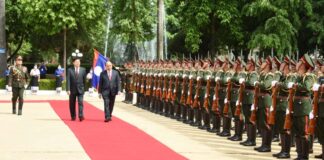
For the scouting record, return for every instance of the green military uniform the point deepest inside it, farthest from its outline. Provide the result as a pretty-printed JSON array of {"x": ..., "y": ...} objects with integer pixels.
[
  {"x": 184, "y": 91},
  {"x": 282, "y": 105},
  {"x": 177, "y": 92},
  {"x": 223, "y": 77},
  {"x": 320, "y": 116},
  {"x": 191, "y": 111},
  {"x": 263, "y": 110},
  {"x": 301, "y": 109},
  {"x": 18, "y": 78},
  {"x": 207, "y": 112},
  {"x": 247, "y": 101}
]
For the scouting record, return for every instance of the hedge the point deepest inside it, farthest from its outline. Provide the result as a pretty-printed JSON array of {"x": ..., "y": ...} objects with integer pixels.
[{"x": 44, "y": 84}]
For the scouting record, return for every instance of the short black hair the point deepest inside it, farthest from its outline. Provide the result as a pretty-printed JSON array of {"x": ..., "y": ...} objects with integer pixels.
[
  {"x": 74, "y": 59},
  {"x": 18, "y": 57}
]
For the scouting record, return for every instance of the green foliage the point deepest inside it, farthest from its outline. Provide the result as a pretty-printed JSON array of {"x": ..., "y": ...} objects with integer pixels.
[
  {"x": 2, "y": 83},
  {"x": 133, "y": 20},
  {"x": 47, "y": 84}
]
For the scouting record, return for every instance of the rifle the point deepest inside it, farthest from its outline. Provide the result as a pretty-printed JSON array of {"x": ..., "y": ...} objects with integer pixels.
[
  {"x": 158, "y": 89},
  {"x": 176, "y": 85},
  {"x": 228, "y": 97},
  {"x": 169, "y": 91},
  {"x": 155, "y": 80},
  {"x": 216, "y": 98},
  {"x": 312, "y": 123},
  {"x": 189, "y": 98},
  {"x": 183, "y": 94},
  {"x": 206, "y": 100},
  {"x": 238, "y": 109},
  {"x": 142, "y": 83},
  {"x": 288, "y": 118},
  {"x": 196, "y": 102},
  {"x": 148, "y": 85},
  {"x": 272, "y": 117},
  {"x": 165, "y": 88},
  {"x": 138, "y": 79},
  {"x": 255, "y": 103}
]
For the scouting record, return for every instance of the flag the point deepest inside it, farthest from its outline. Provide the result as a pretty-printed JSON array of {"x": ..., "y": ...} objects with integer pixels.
[{"x": 98, "y": 65}]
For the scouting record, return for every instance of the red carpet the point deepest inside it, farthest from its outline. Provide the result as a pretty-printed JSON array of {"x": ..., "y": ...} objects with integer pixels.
[{"x": 114, "y": 140}]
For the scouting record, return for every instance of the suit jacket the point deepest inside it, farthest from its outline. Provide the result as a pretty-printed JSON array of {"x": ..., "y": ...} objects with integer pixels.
[
  {"x": 76, "y": 84},
  {"x": 109, "y": 87}
]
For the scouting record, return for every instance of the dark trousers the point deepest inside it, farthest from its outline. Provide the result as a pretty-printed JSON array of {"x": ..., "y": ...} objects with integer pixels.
[
  {"x": 72, "y": 100},
  {"x": 109, "y": 102}
]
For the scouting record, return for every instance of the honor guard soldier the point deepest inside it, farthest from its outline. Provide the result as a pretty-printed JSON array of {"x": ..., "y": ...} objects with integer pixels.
[
  {"x": 248, "y": 92},
  {"x": 301, "y": 92},
  {"x": 279, "y": 108},
  {"x": 264, "y": 104},
  {"x": 18, "y": 80}
]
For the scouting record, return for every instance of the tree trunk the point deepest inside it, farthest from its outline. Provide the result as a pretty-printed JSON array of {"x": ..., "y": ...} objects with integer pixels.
[
  {"x": 160, "y": 30},
  {"x": 3, "y": 55},
  {"x": 64, "y": 52}
]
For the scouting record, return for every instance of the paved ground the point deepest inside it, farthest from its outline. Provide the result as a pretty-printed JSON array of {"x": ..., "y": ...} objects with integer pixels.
[{"x": 29, "y": 136}]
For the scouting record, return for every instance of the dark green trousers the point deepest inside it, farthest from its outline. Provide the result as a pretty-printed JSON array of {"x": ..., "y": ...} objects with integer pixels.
[
  {"x": 17, "y": 93},
  {"x": 320, "y": 129}
]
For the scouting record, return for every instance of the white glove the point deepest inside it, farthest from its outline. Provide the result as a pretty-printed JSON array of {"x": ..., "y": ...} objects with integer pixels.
[
  {"x": 190, "y": 76},
  {"x": 316, "y": 87},
  {"x": 271, "y": 108},
  {"x": 217, "y": 79},
  {"x": 214, "y": 98},
  {"x": 198, "y": 78},
  {"x": 252, "y": 107},
  {"x": 208, "y": 77},
  {"x": 25, "y": 86},
  {"x": 177, "y": 75},
  {"x": 256, "y": 82},
  {"x": 241, "y": 80},
  {"x": 273, "y": 83},
  {"x": 159, "y": 74},
  {"x": 184, "y": 75},
  {"x": 237, "y": 103},
  {"x": 225, "y": 101},
  {"x": 290, "y": 84},
  {"x": 206, "y": 95},
  {"x": 9, "y": 89},
  {"x": 311, "y": 115},
  {"x": 228, "y": 79},
  {"x": 287, "y": 111}
]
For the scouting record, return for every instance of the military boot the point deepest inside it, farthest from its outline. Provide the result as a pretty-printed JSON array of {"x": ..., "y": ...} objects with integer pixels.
[
  {"x": 305, "y": 148},
  {"x": 226, "y": 127},
  {"x": 206, "y": 120},
  {"x": 216, "y": 124},
  {"x": 251, "y": 135},
  {"x": 268, "y": 140},
  {"x": 197, "y": 114},
  {"x": 238, "y": 131},
  {"x": 299, "y": 147},
  {"x": 183, "y": 113},
  {"x": 20, "y": 106},
  {"x": 14, "y": 104},
  {"x": 177, "y": 111},
  {"x": 285, "y": 150},
  {"x": 171, "y": 111},
  {"x": 190, "y": 113},
  {"x": 263, "y": 137},
  {"x": 311, "y": 141}
]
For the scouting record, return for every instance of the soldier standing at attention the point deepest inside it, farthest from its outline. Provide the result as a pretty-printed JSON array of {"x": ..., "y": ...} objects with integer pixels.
[
  {"x": 18, "y": 80},
  {"x": 248, "y": 92},
  {"x": 264, "y": 103},
  {"x": 281, "y": 107},
  {"x": 302, "y": 105},
  {"x": 320, "y": 115}
]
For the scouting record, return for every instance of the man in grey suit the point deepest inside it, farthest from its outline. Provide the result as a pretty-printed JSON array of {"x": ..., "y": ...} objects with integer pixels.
[
  {"x": 75, "y": 83},
  {"x": 109, "y": 86}
]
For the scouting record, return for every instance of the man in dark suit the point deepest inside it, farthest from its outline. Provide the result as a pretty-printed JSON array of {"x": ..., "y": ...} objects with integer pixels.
[
  {"x": 109, "y": 86},
  {"x": 75, "y": 83}
]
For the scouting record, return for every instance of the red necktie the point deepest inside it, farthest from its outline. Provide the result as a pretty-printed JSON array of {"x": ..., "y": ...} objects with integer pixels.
[
  {"x": 109, "y": 75},
  {"x": 77, "y": 72}
]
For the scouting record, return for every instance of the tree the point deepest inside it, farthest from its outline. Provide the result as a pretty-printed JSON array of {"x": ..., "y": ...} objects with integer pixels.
[
  {"x": 133, "y": 22},
  {"x": 3, "y": 63},
  {"x": 55, "y": 16}
]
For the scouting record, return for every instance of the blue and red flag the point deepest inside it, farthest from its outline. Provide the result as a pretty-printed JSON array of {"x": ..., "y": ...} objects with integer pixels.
[{"x": 98, "y": 65}]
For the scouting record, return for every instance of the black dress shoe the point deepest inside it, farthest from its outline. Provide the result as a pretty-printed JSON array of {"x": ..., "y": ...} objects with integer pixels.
[
  {"x": 249, "y": 143},
  {"x": 283, "y": 155},
  {"x": 73, "y": 119},
  {"x": 275, "y": 139},
  {"x": 225, "y": 134},
  {"x": 107, "y": 119},
  {"x": 319, "y": 156},
  {"x": 258, "y": 148},
  {"x": 81, "y": 119},
  {"x": 264, "y": 149},
  {"x": 276, "y": 154}
]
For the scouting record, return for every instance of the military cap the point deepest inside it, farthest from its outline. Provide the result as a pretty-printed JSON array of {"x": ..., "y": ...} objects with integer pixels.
[
  {"x": 308, "y": 61},
  {"x": 286, "y": 59}
]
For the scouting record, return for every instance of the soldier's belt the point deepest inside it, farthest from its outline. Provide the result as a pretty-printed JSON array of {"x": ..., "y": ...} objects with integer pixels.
[
  {"x": 264, "y": 94},
  {"x": 301, "y": 97},
  {"x": 248, "y": 89}
]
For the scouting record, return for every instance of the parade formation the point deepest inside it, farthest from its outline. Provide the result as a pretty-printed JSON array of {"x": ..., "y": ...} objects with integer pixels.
[{"x": 268, "y": 97}]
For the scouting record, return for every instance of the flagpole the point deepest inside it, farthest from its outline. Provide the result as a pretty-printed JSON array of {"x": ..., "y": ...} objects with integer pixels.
[{"x": 107, "y": 36}]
